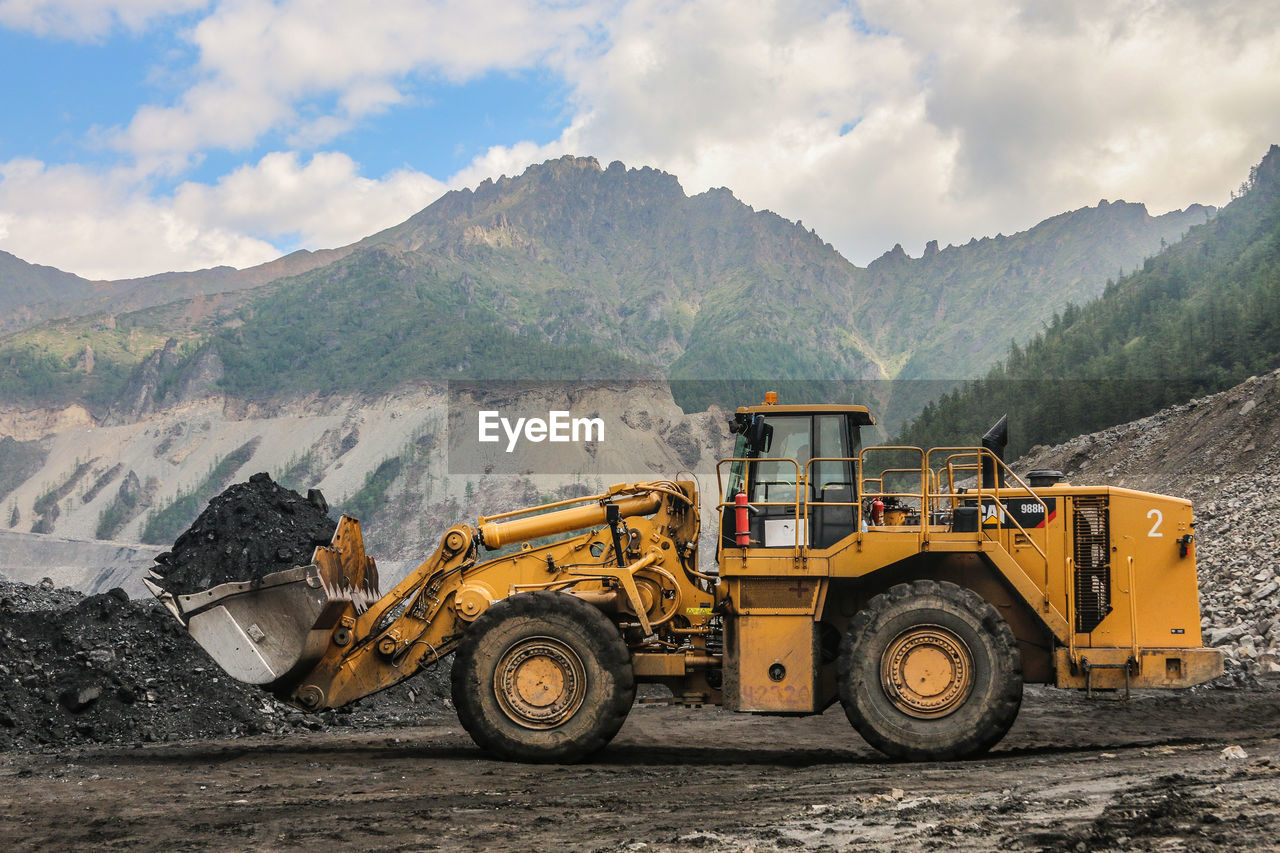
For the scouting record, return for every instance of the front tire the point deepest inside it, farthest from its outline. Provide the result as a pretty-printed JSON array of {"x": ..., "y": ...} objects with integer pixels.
[
  {"x": 543, "y": 677},
  {"x": 929, "y": 671}
]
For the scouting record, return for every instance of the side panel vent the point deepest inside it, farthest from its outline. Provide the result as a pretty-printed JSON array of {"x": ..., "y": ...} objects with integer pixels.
[
  {"x": 1092, "y": 542},
  {"x": 779, "y": 593}
]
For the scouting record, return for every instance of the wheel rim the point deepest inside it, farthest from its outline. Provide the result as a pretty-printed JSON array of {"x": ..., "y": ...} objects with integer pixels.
[
  {"x": 540, "y": 682},
  {"x": 927, "y": 671}
]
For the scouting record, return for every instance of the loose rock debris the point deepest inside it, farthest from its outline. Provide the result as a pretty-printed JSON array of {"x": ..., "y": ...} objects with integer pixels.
[
  {"x": 105, "y": 669},
  {"x": 108, "y": 669},
  {"x": 250, "y": 530}
]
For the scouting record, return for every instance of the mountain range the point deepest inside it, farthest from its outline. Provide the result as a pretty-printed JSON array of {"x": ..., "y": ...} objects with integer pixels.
[
  {"x": 570, "y": 270},
  {"x": 124, "y": 405}
]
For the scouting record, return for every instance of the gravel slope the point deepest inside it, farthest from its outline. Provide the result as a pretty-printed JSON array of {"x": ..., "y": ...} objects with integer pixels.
[{"x": 1223, "y": 453}]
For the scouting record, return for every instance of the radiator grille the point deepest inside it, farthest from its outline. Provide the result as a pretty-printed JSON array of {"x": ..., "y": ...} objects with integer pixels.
[
  {"x": 779, "y": 593},
  {"x": 1092, "y": 525}
]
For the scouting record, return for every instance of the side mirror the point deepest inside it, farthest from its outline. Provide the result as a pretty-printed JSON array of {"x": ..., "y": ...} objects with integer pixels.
[{"x": 761, "y": 436}]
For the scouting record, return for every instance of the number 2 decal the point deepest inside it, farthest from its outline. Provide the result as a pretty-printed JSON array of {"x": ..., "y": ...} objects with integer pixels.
[{"x": 1155, "y": 527}]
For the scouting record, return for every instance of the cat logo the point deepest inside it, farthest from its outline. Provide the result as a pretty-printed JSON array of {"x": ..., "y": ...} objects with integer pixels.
[{"x": 1024, "y": 513}]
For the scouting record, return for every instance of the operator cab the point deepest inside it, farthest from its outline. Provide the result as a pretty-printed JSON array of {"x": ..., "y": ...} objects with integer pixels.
[{"x": 797, "y": 466}]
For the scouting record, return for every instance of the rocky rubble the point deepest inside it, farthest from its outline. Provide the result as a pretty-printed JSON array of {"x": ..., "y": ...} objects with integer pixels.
[
  {"x": 104, "y": 669},
  {"x": 250, "y": 530},
  {"x": 1223, "y": 453},
  {"x": 42, "y": 596}
]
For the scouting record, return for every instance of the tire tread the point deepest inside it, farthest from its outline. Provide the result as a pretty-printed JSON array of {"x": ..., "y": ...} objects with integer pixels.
[
  {"x": 605, "y": 643},
  {"x": 997, "y": 717}
]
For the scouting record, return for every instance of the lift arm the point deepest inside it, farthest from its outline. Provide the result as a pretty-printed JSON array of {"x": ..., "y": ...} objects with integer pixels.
[{"x": 319, "y": 636}]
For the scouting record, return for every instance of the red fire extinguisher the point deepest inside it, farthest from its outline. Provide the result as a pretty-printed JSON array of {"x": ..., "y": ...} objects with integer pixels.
[
  {"x": 740, "y": 520},
  {"x": 877, "y": 512}
]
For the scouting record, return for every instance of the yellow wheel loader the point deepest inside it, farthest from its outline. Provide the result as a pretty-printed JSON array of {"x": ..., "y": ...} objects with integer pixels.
[{"x": 920, "y": 588}]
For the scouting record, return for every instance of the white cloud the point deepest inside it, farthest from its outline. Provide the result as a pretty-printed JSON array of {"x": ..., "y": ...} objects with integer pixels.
[
  {"x": 325, "y": 202},
  {"x": 1056, "y": 105},
  {"x": 104, "y": 226},
  {"x": 259, "y": 61},
  {"x": 878, "y": 122},
  {"x": 88, "y": 19},
  {"x": 755, "y": 98},
  {"x": 967, "y": 119}
]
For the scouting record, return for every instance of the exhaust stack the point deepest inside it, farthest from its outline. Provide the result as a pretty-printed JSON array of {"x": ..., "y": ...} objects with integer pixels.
[{"x": 996, "y": 440}]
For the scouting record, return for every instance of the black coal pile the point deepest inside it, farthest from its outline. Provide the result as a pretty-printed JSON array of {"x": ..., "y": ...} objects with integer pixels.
[
  {"x": 108, "y": 669},
  {"x": 42, "y": 596},
  {"x": 104, "y": 669},
  {"x": 250, "y": 530}
]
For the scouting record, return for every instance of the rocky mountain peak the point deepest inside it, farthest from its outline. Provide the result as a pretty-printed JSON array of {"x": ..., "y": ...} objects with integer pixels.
[
  {"x": 895, "y": 255},
  {"x": 565, "y": 197}
]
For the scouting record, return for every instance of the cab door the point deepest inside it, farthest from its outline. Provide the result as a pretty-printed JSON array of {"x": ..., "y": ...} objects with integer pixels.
[
  {"x": 803, "y": 486},
  {"x": 776, "y": 487},
  {"x": 833, "y": 476}
]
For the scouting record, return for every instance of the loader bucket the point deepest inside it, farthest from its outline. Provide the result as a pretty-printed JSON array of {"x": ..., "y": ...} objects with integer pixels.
[{"x": 271, "y": 631}]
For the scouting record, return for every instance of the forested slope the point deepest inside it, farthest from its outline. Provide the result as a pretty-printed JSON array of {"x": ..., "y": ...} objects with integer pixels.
[{"x": 1199, "y": 317}]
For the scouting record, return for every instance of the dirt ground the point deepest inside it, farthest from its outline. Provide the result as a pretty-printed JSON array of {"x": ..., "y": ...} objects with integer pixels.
[{"x": 1073, "y": 775}]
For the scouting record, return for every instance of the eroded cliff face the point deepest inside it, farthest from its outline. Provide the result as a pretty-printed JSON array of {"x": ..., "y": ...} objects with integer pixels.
[{"x": 388, "y": 459}]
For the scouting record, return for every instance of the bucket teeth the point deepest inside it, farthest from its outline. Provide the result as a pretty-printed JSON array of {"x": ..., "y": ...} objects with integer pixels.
[{"x": 166, "y": 598}]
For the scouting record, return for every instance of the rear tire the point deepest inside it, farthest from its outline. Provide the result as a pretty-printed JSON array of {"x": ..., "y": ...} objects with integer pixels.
[
  {"x": 543, "y": 677},
  {"x": 929, "y": 671}
]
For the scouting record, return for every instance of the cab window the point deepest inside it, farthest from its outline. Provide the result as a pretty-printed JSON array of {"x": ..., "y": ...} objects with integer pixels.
[
  {"x": 774, "y": 479},
  {"x": 833, "y": 492},
  {"x": 833, "y": 441}
]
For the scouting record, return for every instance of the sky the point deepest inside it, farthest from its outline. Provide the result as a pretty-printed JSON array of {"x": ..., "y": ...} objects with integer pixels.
[{"x": 142, "y": 136}]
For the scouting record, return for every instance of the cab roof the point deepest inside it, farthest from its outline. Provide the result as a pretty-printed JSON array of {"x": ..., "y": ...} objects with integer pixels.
[{"x": 861, "y": 414}]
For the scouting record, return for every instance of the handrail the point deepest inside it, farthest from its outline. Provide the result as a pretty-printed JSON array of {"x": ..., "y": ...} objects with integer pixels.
[
  {"x": 1068, "y": 591},
  {"x": 804, "y": 501},
  {"x": 856, "y": 504},
  {"x": 952, "y": 468},
  {"x": 887, "y": 471},
  {"x": 923, "y": 532},
  {"x": 925, "y": 508},
  {"x": 802, "y": 487},
  {"x": 979, "y": 453},
  {"x": 808, "y": 478},
  {"x": 930, "y": 494}
]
